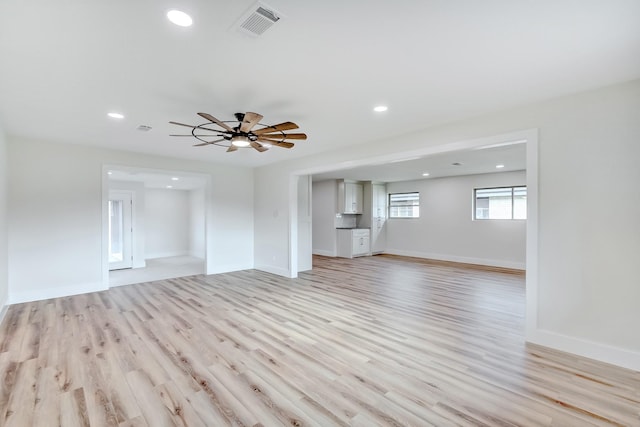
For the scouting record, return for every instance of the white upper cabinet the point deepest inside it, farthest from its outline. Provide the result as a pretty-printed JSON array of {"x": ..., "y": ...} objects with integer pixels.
[{"x": 350, "y": 197}]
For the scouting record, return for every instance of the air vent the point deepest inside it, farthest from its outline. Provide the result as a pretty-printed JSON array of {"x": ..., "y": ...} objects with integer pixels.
[{"x": 258, "y": 19}]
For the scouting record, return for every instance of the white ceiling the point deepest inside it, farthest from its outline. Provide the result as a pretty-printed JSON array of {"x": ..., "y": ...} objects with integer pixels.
[{"x": 325, "y": 65}]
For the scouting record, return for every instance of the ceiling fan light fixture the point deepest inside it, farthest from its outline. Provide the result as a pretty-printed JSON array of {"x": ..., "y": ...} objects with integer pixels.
[{"x": 240, "y": 141}]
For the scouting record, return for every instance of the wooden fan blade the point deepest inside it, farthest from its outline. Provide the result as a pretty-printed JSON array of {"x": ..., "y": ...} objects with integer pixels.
[
  {"x": 232, "y": 148},
  {"x": 282, "y": 136},
  {"x": 216, "y": 121},
  {"x": 283, "y": 144},
  {"x": 194, "y": 127},
  {"x": 182, "y": 124},
  {"x": 208, "y": 143},
  {"x": 276, "y": 128},
  {"x": 250, "y": 120},
  {"x": 258, "y": 147},
  {"x": 276, "y": 143}
]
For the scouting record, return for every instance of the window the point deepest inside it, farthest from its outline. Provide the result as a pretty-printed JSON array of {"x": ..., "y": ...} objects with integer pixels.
[
  {"x": 500, "y": 203},
  {"x": 404, "y": 205}
]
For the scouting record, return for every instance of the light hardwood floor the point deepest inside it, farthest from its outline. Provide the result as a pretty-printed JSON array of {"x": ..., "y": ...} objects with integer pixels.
[{"x": 371, "y": 341}]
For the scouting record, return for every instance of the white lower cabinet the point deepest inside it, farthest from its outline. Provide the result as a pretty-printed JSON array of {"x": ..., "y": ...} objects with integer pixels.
[{"x": 354, "y": 242}]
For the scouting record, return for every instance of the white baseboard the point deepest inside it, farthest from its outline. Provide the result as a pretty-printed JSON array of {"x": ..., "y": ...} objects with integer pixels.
[
  {"x": 55, "y": 292},
  {"x": 323, "y": 252},
  {"x": 274, "y": 270},
  {"x": 139, "y": 264},
  {"x": 228, "y": 268},
  {"x": 165, "y": 254},
  {"x": 455, "y": 258},
  {"x": 593, "y": 350}
]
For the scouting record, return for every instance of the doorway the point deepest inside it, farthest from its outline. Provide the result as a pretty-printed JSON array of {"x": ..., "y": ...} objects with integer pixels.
[
  {"x": 482, "y": 150},
  {"x": 120, "y": 230},
  {"x": 155, "y": 224}
]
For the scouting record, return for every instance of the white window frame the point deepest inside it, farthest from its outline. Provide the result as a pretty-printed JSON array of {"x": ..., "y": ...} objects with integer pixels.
[
  {"x": 510, "y": 187},
  {"x": 414, "y": 207}
]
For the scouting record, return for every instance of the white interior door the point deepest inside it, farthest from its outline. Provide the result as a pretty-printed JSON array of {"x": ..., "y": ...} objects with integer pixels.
[{"x": 120, "y": 230}]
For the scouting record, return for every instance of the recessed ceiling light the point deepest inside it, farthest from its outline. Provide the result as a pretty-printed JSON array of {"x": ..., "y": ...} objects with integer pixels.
[
  {"x": 499, "y": 166},
  {"x": 169, "y": 186},
  {"x": 175, "y": 178},
  {"x": 380, "y": 108},
  {"x": 110, "y": 173},
  {"x": 425, "y": 174},
  {"x": 179, "y": 18},
  {"x": 114, "y": 115}
]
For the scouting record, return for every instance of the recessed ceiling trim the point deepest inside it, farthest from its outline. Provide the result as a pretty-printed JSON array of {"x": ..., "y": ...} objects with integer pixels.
[
  {"x": 404, "y": 160},
  {"x": 502, "y": 144}
]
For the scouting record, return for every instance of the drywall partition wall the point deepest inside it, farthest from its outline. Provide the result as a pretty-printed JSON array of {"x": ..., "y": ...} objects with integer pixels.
[
  {"x": 138, "y": 217},
  {"x": 4, "y": 277},
  {"x": 272, "y": 215},
  {"x": 167, "y": 220},
  {"x": 324, "y": 210},
  {"x": 305, "y": 232},
  {"x": 446, "y": 230},
  {"x": 582, "y": 287},
  {"x": 196, "y": 223},
  {"x": 57, "y": 198}
]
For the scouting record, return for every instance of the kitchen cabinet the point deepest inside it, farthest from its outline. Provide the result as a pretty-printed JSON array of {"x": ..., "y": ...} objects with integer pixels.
[
  {"x": 350, "y": 197},
  {"x": 353, "y": 242},
  {"x": 378, "y": 218}
]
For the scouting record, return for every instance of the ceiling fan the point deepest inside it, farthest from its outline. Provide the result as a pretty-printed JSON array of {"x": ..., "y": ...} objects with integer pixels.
[{"x": 244, "y": 134}]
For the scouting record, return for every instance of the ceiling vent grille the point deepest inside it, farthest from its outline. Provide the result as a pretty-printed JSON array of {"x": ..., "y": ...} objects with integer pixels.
[{"x": 257, "y": 20}]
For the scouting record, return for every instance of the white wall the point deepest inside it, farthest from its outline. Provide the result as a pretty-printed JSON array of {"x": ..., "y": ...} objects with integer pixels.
[
  {"x": 138, "y": 217},
  {"x": 585, "y": 298},
  {"x": 167, "y": 217},
  {"x": 324, "y": 208},
  {"x": 445, "y": 229},
  {"x": 56, "y": 215},
  {"x": 4, "y": 277},
  {"x": 196, "y": 223}
]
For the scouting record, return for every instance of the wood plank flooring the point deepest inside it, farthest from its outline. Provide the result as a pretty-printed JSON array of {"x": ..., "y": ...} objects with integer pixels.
[{"x": 371, "y": 341}]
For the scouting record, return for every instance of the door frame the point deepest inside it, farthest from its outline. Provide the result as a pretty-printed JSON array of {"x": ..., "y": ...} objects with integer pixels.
[
  {"x": 128, "y": 242},
  {"x": 531, "y": 138},
  {"x": 208, "y": 213}
]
